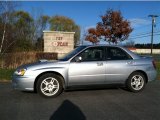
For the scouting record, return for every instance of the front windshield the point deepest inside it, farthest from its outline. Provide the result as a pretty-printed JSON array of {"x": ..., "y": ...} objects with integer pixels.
[{"x": 72, "y": 53}]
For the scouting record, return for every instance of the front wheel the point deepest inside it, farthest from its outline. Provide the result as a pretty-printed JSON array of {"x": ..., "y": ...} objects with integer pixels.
[
  {"x": 49, "y": 85},
  {"x": 136, "y": 82}
]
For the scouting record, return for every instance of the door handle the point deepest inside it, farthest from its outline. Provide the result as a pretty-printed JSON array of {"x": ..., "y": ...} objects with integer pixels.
[
  {"x": 99, "y": 64},
  {"x": 130, "y": 62}
]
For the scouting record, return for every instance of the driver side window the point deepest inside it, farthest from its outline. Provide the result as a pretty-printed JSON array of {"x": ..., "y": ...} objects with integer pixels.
[{"x": 92, "y": 54}]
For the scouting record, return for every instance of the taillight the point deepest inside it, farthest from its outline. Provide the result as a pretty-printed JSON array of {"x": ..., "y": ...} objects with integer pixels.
[{"x": 154, "y": 64}]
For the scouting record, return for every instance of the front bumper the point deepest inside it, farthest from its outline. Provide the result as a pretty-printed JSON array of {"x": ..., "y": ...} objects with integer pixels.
[{"x": 23, "y": 83}]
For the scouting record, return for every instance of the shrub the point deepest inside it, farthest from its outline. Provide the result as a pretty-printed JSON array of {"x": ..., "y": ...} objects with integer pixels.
[{"x": 13, "y": 60}]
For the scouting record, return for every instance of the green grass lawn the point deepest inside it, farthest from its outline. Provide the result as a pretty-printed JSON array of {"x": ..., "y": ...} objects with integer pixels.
[{"x": 6, "y": 74}]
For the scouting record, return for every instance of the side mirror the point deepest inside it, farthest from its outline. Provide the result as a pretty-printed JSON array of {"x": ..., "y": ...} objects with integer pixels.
[{"x": 78, "y": 59}]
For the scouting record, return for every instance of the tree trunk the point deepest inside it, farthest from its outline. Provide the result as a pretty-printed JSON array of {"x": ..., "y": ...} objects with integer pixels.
[{"x": 3, "y": 38}]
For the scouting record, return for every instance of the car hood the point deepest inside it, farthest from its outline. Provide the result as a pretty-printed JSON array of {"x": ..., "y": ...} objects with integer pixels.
[{"x": 42, "y": 64}]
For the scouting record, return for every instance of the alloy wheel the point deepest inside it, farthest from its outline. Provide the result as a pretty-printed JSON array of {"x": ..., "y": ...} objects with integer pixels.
[{"x": 49, "y": 86}]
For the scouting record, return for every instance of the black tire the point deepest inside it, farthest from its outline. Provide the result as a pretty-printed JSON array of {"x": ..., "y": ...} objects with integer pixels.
[
  {"x": 49, "y": 85},
  {"x": 136, "y": 82}
]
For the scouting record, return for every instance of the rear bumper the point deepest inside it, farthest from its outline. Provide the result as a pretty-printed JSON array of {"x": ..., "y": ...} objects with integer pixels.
[
  {"x": 152, "y": 75},
  {"x": 23, "y": 83}
]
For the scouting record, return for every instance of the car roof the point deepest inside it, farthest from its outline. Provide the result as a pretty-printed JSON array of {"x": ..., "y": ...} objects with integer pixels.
[{"x": 99, "y": 45}]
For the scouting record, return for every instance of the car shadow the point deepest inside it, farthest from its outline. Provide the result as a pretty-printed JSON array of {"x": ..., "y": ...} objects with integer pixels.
[
  {"x": 95, "y": 88},
  {"x": 68, "y": 111},
  {"x": 29, "y": 92}
]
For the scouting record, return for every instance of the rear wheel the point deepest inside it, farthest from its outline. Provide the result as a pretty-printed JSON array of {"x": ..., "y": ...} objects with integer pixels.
[
  {"x": 49, "y": 85},
  {"x": 136, "y": 82}
]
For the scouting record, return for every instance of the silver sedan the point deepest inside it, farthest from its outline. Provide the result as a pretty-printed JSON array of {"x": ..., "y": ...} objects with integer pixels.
[{"x": 86, "y": 66}]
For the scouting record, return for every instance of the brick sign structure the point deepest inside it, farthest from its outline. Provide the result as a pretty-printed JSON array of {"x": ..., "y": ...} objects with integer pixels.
[{"x": 59, "y": 42}]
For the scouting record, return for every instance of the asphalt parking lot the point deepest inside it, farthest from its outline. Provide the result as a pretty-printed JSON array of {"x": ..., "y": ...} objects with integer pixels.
[{"x": 103, "y": 104}]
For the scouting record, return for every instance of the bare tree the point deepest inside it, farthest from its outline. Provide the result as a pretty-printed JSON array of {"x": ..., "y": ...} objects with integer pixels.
[
  {"x": 6, "y": 10},
  {"x": 130, "y": 43},
  {"x": 3, "y": 6}
]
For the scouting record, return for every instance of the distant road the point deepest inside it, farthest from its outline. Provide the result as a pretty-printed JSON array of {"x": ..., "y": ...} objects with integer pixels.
[{"x": 104, "y": 104}]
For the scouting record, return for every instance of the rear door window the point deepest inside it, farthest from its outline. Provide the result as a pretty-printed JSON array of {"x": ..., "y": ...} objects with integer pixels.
[{"x": 115, "y": 53}]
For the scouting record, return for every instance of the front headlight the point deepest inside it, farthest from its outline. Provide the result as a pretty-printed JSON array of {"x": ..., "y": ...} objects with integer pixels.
[{"x": 20, "y": 72}]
